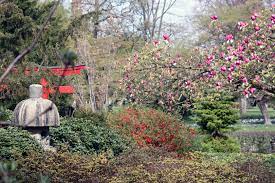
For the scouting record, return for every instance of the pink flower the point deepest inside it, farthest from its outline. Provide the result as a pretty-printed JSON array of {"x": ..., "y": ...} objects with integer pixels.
[
  {"x": 254, "y": 16},
  {"x": 213, "y": 73},
  {"x": 232, "y": 68},
  {"x": 242, "y": 25},
  {"x": 272, "y": 18},
  {"x": 238, "y": 62},
  {"x": 222, "y": 54},
  {"x": 246, "y": 60},
  {"x": 218, "y": 85},
  {"x": 252, "y": 90},
  {"x": 240, "y": 48},
  {"x": 257, "y": 28},
  {"x": 155, "y": 42},
  {"x": 187, "y": 83},
  {"x": 166, "y": 37},
  {"x": 244, "y": 80},
  {"x": 223, "y": 68},
  {"x": 246, "y": 41},
  {"x": 214, "y": 17},
  {"x": 229, "y": 37},
  {"x": 245, "y": 93},
  {"x": 259, "y": 43},
  {"x": 229, "y": 77}
]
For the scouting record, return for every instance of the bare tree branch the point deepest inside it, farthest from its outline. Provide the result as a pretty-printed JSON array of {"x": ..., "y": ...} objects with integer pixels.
[{"x": 33, "y": 44}]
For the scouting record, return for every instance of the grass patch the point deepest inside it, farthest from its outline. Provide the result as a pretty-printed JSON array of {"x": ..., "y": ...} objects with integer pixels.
[
  {"x": 254, "y": 128},
  {"x": 255, "y": 113}
]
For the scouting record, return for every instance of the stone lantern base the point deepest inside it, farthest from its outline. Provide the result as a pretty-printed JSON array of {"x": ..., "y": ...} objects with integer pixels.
[{"x": 41, "y": 134}]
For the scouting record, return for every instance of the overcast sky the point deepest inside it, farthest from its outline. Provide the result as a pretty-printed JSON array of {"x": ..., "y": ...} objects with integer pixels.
[{"x": 181, "y": 9}]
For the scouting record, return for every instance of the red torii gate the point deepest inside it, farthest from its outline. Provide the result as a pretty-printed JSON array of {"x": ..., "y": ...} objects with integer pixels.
[{"x": 57, "y": 71}]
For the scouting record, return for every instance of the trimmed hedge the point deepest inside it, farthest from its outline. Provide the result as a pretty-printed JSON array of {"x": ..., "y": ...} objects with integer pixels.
[{"x": 85, "y": 136}]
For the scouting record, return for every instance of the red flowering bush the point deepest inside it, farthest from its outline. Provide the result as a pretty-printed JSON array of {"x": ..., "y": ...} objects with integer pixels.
[{"x": 152, "y": 128}]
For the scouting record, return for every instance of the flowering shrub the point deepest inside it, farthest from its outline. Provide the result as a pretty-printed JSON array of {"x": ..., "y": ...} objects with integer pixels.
[{"x": 149, "y": 127}]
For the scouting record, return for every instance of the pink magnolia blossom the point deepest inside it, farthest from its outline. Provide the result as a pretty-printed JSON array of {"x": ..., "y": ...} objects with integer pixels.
[
  {"x": 242, "y": 25},
  {"x": 246, "y": 60},
  {"x": 214, "y": 17},
  {"x": 223, "y": 68},
  {"x": 232, "y": 68},
  {"x": 259, "y": 43},
  {"x": 229, "y": 37},
  {"x": 218, "y": 85},
  {"x": 155, "y": 42},
  {"x": 166, "y": 37},
  {"x": 229, "y": 77},
  {"x": 252, "y": 90},
  {"x": 222, "y": 54},
  {"x": 254, "y": 16},
  {"x": 272, "y": 18},
  {"x": 245, "y": 93},
  {"x": 257, "y": 28},
  {"x": 244, "y": 80},
  {"x": 240, "y": 48},
  {"x": 238, "y": 62}
]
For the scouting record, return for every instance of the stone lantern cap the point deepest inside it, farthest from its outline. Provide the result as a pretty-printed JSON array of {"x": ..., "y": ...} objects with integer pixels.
[{"x": 36, "y": 111}]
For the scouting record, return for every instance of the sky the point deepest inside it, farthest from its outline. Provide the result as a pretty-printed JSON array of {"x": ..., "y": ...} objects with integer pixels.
[{"x": 176, "y": 14}]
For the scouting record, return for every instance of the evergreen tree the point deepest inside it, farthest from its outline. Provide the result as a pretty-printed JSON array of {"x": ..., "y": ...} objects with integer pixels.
[{"x": 215, "y": 113}]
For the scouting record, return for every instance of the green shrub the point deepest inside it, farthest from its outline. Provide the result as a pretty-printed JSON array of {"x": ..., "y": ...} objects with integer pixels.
[
  {"x": 152, "y": 128},
  {"x": 85, "y": 136},
  {"x": 225, "y": 145},
  {"x": 5, "y": 114},
  {"x": 16, "y": 141},
  {"x": 215, "y": 113},
  {"x": 98, "y": 119}
]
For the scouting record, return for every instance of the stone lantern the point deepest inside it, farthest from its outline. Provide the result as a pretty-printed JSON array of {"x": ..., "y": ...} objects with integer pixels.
[{"x": 36, "y": 115}]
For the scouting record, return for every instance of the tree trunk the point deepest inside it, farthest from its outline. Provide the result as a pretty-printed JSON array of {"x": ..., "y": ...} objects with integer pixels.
[
  {"x": 243, "y": 105},
  {"x": 263, "y": 107}
]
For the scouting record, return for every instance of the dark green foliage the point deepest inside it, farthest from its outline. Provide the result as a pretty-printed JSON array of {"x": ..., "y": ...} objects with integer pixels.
[
  {"x": 85, "y": 136},
  {"x": 5, "y": 114},
  {"x": 15, "y": 141},
  {"x": 19, "y": 23},
  {"x": 215, "y": 113}
]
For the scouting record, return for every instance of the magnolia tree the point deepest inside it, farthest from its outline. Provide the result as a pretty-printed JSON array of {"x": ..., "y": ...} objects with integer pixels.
[
  {"x": 243, "y": 63},
  {"x": 159, "y": 78}
]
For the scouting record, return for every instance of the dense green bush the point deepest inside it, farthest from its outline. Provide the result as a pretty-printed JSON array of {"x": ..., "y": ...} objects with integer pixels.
[
  {"x": 214, "y": 113},
  {"x": 14, "y": 141},
  {"x": 225, "y": 145},
  {"x": 85, "y": 136},
  {"x": 5, "y": 114}
]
